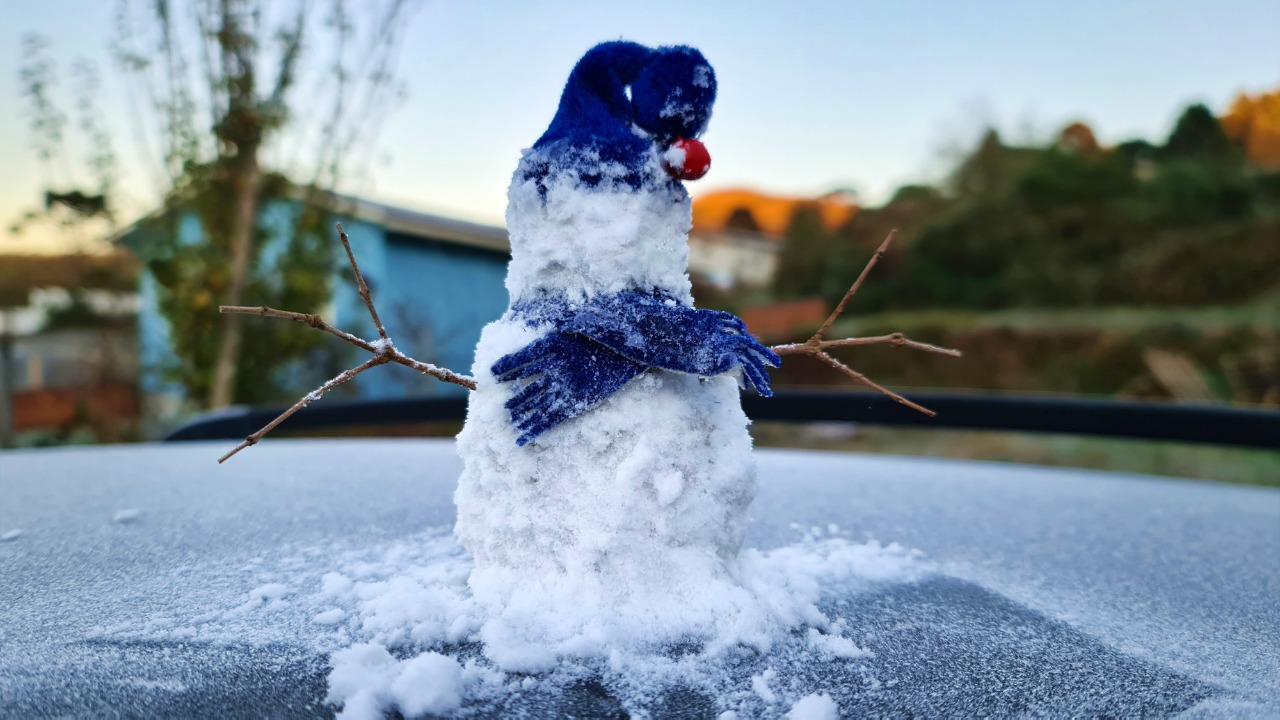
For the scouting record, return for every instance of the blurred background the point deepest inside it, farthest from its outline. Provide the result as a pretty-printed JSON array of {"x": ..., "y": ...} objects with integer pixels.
[{"x": 1087, "y": 197}]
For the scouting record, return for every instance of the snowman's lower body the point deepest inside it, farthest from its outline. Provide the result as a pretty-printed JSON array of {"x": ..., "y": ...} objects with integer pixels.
[{"x": 624, "y": 517}]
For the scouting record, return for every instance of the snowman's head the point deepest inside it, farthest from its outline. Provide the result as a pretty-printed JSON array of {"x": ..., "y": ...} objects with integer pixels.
[{"x": 597, "y": 204}]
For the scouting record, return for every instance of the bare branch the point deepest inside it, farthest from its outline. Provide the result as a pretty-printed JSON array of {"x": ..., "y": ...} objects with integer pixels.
[
  {"x": 292, "y": 41},
  {"x": 364, "y": 288},
  {"x": 344, "y": 376},
  {"x": 817, "y": 346},
  {"x": 309, "y": 319},
  {"x": 853, "y": 289},
  {"x": 895, "y": 339},
  {"x": 380, "y": 348},
  {"x": 384, "y": 351},
  {"x": 860, "y": 378}
]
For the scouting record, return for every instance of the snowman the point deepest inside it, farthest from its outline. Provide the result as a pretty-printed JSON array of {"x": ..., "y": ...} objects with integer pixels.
[{"x": 606, "y": 455}]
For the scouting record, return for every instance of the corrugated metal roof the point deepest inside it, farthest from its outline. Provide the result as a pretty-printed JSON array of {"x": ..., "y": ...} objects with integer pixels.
[
  {"x": 426, "y": 225},
  {"x": 413, "y": 223}
]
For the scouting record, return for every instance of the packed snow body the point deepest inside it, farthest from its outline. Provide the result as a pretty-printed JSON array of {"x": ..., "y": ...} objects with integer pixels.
[{"x": 631, "y": 511}]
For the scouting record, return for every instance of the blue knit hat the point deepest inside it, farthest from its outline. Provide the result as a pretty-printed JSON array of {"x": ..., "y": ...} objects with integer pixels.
[{"x": 599, "y": 126}]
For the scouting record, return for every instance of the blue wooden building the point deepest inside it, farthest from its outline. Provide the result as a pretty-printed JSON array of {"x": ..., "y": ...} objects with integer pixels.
[{"x": 435, "y": 280}]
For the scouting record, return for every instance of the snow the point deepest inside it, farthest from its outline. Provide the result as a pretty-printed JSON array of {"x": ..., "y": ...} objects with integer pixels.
[
  {"x": 332, "y": 616},
  {"x": 576, "y": 245},
  {"x": 126, "y": 516},
  {"x": 814, "y": 707},
  {"x": 415, "y": 597},
  {"x": 13, "y": 534},
  {"x": 760, "y": 686},
  {"x": 1006, "y": 605},
  {"x": 366, "y": 679},
  {"x": 674, "y": 156},
  {"x": 835, "y": 646},
  {"x": 270, "y": 591},
  {"x": 428, "y": 683},
  {"x": 702, "y": 76}
]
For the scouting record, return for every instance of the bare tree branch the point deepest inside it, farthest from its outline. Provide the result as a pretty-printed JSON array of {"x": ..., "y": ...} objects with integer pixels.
[
  {"x": 291, "y": 40},
  {"x": 384, "y": 350},
  {"x": 360, "y": 283},
  {"x": 344, "y": 376},
  {"x": 817, "y": 345}
]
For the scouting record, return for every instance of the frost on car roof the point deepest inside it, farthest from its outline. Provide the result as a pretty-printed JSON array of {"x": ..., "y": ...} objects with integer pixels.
[{"x": 1012, "y": 590}]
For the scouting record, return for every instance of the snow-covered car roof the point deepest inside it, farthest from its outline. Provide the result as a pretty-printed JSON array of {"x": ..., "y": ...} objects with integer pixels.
[{"x": 148, "y": 580}]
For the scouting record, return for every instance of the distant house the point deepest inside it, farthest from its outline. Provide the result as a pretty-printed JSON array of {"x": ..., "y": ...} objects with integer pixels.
[
  {"x": 731, "y": 257},
  {"x": 74, "y": 379},
  {"x": 436, "y": 282},
  {"x": 68, "y": 348},
  {"x": 737, "y": 234}
]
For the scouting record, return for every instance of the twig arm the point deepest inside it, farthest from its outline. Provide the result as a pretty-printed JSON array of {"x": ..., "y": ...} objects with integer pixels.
[
  {"x": 384, "y": 351},
  {"x": 863, "y": 379},
  {"x": 344, "y": 376},
  {"x": 853, "y": 289},
  {"x": 384, "y": 347},
  {"x": 308, "y": 319},
  {"x": 895, "y": 339},
  {"x": 817, "y": 345},
  {"x": 360, "y": 283}
]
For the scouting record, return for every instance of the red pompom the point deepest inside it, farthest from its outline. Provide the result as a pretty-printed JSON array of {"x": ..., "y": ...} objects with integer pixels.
[{"x": 687, "y": 159}]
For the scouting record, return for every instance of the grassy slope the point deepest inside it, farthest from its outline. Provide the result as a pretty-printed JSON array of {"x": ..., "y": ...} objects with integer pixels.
[{"x": 1036, "y": 350}]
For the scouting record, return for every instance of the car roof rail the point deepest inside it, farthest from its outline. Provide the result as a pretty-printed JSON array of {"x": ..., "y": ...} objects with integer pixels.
[{"x": 1205, "y": 424}]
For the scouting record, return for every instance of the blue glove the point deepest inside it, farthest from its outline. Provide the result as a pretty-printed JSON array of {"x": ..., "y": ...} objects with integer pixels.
[
  {"x": 663, "y": 334},
  {"x": 573, "y": 375},
  {"x": 600, "y": 347}
]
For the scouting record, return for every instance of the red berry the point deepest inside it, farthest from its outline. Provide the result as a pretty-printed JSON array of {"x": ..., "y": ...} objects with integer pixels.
[{"x": 687, "y": 159}]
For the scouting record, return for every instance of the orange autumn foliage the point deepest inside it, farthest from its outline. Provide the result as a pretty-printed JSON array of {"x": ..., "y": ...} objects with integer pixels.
[
  {"x": 772, "y": 213},
  {"x": 1078, "y": 137},
  {"x": 1254, "y": 122}
]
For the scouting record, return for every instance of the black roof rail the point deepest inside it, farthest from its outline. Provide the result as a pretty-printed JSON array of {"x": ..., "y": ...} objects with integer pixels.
[{"x": 1207, "y": 424}]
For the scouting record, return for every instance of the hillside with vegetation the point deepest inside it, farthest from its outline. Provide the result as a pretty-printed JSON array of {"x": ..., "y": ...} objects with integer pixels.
[{"x": 1143, "y": 270}]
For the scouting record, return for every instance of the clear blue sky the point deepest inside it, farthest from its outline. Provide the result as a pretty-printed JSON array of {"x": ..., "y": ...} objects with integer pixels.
[{"x": 812, "y": 94}]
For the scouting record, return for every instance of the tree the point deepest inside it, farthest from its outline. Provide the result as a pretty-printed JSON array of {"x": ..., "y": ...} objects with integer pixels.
[
  {"x": 805, "y": 248},
  {"x": 1254, "y": 122},
  {"x": 742, "y": 219},
  {"x": 79, "y": 213},
  {"x": 1079, "y": 138},
  {"x": 1197, "y": 134},
  {"x": 219, "y": 87}
]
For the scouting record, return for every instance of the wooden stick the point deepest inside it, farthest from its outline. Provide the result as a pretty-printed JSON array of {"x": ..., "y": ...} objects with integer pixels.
[
  {"x": 860, "y": 378},
  {"x": 360, "y": 283},
  {"x": 895, "y": 339},
  {"x": 384, "y": 351},
  {"x": 308, "y": 319},
  {"x": 384, "y": 347},
  {"x": 857, "y": 284},
  {"x": 344, "y": 376},
  {"x": 817, "y": 345}
]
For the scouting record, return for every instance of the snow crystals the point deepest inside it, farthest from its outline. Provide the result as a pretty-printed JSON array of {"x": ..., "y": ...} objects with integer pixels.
[{"x": 419, "y": 638}]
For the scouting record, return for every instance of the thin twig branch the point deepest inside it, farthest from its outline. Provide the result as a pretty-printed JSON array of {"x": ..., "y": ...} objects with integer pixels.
[
  {"x": 817, "y": 345},
  {"x": 895, "y": 339},
  {"x": 344, "y": 376},
  {"x": 857, "y": 284},
  {"x": 308, "y": 319},
  {"x": 360, "y": 283},
  {"x": 380, "y": 348},
  {"x": 384, "y": 351}
]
